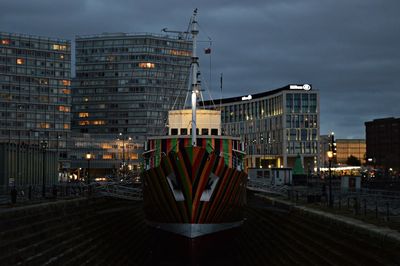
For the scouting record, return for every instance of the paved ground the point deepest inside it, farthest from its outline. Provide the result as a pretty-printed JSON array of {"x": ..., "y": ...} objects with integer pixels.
[{"x": 273, "y": 234}]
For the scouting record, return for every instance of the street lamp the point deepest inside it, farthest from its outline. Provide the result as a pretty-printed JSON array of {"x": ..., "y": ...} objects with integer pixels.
[
  {"x": 123, "y": 138},
  {"x": 88, "y": 158},
  {"x": 43, "y": 145},
  {"x": 330, "y": 156}
]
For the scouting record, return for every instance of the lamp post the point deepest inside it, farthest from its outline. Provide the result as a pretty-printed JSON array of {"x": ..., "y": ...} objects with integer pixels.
[
  {"x": 43, "y": 145},
  {"x": 123, "y": 138},
  {"x": 330, "y": 156},
  {"x": 88, "y": 158}
]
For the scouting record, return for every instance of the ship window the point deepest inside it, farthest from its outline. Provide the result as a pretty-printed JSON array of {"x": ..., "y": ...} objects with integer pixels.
[
  {"x": 174, "y": 131},
  {"x": 184, "y": 131},
  {"x": 204, "y": 131},
  {"x": 214, "y": 131}
]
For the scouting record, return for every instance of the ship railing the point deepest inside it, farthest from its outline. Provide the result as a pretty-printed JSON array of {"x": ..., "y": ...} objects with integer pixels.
[
  {"x": 116, "y": 190},
  {"x": 265, "y": 187}
]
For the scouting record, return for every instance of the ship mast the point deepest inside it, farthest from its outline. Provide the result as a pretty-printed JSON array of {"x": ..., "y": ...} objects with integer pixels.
[{"x": 195, "y": 85}]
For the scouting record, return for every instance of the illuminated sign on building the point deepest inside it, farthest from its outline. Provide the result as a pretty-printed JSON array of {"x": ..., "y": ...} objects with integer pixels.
[
  {"x": 305, "y": 87},
  {"x": 245, "y": 98}
]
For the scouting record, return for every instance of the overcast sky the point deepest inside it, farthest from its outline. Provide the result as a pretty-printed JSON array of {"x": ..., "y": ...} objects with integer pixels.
[{"x": 347, "y": 49}]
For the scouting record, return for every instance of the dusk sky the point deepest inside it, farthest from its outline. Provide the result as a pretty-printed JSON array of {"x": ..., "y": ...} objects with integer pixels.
[{"x": 348, "y": 50}]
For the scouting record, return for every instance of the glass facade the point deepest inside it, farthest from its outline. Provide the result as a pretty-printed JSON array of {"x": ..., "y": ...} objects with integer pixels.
[
  {"x": 35, "y": 93},
  {"x": 350, "y": 147},
  {"x": 302, "y": 127},
  {"x": 127, "y": 83},
  {"x": 275, "y": 126},
  {"x": 107, "y": 154}
]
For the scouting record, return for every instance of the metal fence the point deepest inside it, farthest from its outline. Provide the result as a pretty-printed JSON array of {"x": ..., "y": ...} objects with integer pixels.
[
  {"x": 374, "y": 203},
  {"x": 26, "y": 194},
  {"x": 32, "y": 194}
]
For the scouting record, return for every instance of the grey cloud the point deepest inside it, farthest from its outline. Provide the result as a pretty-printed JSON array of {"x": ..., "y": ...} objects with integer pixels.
[{"x": 346, "y": 49}]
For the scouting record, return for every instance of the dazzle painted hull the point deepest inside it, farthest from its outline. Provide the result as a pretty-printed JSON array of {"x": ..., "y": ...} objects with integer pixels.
[{"x": 194, "y": 191}]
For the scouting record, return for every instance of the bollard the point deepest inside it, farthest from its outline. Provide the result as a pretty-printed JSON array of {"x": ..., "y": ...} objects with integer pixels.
[
  {"x": 348, "y": 203},
  {"x": 355, "y": 206},
  {"x": 365, "y": 207},
  {"x": 30, "y": 193},
  {"x": 55, "y": 192},
  {"x": 13, "y": 194},
  {"x": 376, "y": 209},
  {"x": 340, "y": 202},
  {"x": 89, "y": 191},
  {"x": 387, "y": 211},
  {"x": 297, "y": 196}
]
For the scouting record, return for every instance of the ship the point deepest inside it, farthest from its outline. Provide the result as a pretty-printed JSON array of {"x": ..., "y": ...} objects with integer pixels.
[{"x": 194, "y": 183}]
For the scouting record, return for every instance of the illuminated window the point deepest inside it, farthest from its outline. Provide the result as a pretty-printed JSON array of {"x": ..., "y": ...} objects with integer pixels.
[
  {"x": 44, "y": 125},
  {"x": 133, "y": 156},
  {"x": 106, "y": 146},
  {"x": 59, "y": 47},
  {"x": 86, "y": 99},
  {"x": 20, "y": 61},
  {"x": 107, "y": 156},
  {"x": 181, "y": 53},
  {"x": 98, "y": 122},
  {"x": 83, "y": 114},
  {"x": 63, "y": 108},
  {"x": 5, "y": 42},
  {"x": 66, "y": 126},
  {"x": 66, "y": 91},
  {"x": 83, "y": 123},
  {"x": 66, "y": 82},
  {"x": 43, "y": 81},
  {"x": 61, "y": 56},
  {"x": 146, "y": 65}
]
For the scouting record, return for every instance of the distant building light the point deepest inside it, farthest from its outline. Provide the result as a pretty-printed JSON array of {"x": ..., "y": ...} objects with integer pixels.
[
  {"x": 63, "y": 108},
  {"x": 83, "y": 123},
  {"x": 83, "y": 115},
  {"x": 180, "y": 53},
  {"x": 246, "y": 98},
  {"x": 305, "y": 87},
  {"x": 66, "y": 82},
  {"x": 147, "y": 65},
  {"x": 66, "y": 91},
  {"x": 20, "y": 61},
  {"x": 59, "y": 47}
]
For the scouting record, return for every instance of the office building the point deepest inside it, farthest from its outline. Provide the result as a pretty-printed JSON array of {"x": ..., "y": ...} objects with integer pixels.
[
  {"x": 383, "y": 143},
  {"x": 126, "y": 83},
  {"x": 324, "y": 145},
  {"x": 35, "y": 94},
  {"x": 104, "y": 155},
  {"x": 276, "y": 126},
  {"x": 350, "y": 147}
]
